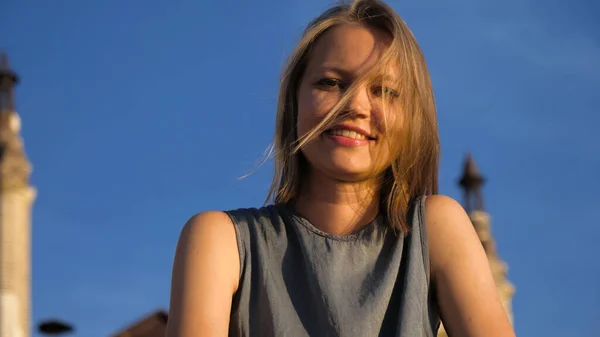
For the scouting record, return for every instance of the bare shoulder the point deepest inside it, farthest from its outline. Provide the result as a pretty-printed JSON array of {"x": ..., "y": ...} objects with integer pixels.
[
  {"x": 448, "y": 225},
  {"x": 213, "y": 226},
  {"x": 205, "y": 276},
  {"x": 466, "y": 291},
  {"x": 210, "y": 234},
  {"x": 450, "y": 233}
]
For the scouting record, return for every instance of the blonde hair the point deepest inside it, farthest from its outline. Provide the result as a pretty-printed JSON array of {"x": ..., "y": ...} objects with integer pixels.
[{"x": 413, "y": 171}]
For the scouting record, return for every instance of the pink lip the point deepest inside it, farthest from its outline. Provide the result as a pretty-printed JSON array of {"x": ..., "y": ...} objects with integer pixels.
[
  {"x": 345, "y": 141},
  {"x": 352, "y": 128}
]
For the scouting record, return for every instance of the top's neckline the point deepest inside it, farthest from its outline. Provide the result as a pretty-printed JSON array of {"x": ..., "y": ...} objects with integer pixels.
[{"x": 366, "y": 230}]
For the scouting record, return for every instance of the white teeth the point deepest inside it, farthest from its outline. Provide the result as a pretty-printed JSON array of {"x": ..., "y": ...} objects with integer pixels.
[{"x": 347, "y": 134}]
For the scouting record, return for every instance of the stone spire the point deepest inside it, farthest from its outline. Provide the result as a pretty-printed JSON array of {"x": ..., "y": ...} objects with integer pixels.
[
  {"x": 8, "y": 80},
  {"x": 14, "y": 165},
  {"x": 472, "y": 184},
  {"x": 16, "y": 199}
]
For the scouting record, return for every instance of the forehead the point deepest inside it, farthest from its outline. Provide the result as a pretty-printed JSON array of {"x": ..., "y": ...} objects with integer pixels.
[{"x": 349, "y": 49}]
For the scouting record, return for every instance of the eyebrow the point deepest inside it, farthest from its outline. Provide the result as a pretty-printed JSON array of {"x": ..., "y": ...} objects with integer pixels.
[
  {"x": 335, "y": 69},
  {"x": 345, "y": 73}
]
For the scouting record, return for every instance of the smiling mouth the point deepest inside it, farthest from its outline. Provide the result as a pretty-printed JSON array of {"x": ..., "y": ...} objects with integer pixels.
[{"x": 348, "y": 134}]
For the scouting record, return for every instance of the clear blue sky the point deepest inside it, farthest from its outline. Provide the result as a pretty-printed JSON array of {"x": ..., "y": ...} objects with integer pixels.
[{"x": 138, "y": 114}]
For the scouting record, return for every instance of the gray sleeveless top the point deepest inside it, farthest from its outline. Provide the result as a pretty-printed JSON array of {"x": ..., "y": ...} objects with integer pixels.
[{"x": 299, "y": 281}]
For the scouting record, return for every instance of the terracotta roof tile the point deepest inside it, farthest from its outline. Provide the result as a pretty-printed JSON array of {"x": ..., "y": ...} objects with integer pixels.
[{"x": 153, "y": 325}]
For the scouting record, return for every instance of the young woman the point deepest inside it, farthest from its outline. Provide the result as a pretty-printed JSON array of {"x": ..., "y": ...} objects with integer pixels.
[{"x": 356, "y": 242}]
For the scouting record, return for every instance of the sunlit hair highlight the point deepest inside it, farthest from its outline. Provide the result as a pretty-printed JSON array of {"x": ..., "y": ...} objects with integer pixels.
[{"x": 413, "y": 168}]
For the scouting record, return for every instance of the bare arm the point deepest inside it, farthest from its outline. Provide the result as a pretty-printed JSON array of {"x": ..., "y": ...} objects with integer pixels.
[
  {"x": 205, "y": 277},
  {"x": 466, "y": 291}
]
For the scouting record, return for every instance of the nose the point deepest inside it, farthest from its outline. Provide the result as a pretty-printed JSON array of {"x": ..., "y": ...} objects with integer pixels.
[{"x": 359, "y": 102}]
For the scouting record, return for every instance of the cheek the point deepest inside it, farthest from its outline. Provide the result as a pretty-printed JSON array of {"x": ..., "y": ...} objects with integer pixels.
[
  {"x": 389, "y": 122},
  {"x": 396, "y": 122},
  {"x": 392, "y": 139},
  {"x": 313, "y": 106}
]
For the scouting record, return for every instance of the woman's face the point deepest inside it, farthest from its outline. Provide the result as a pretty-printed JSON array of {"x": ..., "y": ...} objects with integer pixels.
[{"x": 353, "y": 149}]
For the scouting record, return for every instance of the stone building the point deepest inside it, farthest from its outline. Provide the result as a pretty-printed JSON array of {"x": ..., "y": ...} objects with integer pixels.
[{"x": 16, "y": 199}]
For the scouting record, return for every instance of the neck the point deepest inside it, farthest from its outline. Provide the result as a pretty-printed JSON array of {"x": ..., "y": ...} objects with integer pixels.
[{"x": 336, "y": 207}]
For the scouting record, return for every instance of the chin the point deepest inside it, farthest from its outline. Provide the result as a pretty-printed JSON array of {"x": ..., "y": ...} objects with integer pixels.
[
  {"x": 340, "y": 165},
  {"x": 349, "y": 173}
]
